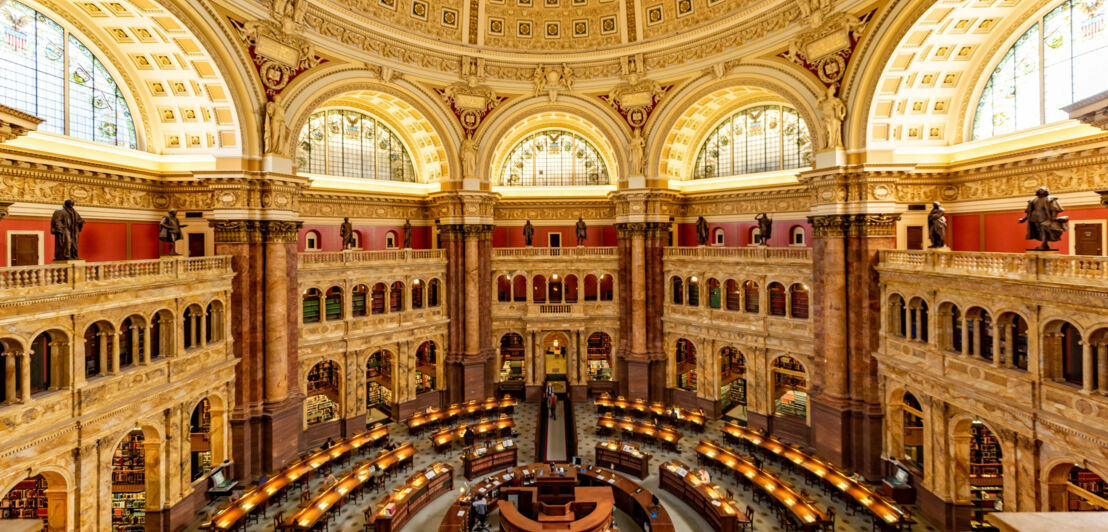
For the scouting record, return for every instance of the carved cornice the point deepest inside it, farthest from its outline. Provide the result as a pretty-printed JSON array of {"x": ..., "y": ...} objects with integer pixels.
[
  {"x": 237, "y": 231},
  {"x": 646, "y": 229},
  {"x": 854, "y": 225},
  {"x": 15, "y": 123},
  {"x": 4, "y": 208},
  {"x": 280, "y": 232}
]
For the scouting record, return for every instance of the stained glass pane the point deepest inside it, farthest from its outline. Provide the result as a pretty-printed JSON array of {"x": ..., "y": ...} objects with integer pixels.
[
  {"x": 352, "y": 144},
  {"x": 756, "y": 139},
  {"x": 554, "y": 158}
]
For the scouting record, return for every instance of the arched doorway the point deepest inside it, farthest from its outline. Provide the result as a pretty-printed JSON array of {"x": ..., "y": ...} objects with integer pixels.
[
  {"x": 200, "y": 439},
  {"x": 1072, "y": 488},
  {"x": 912, "y": 449},
  {"x": 323, "y": 401},
  {"x": 555, "y": 349},
  {"x": 43, "y": 496},
  {"x": 684, "y": 357},
  {"x": 599, "y": 353},
  {"x": 732, "y": 379},
  {"x": 129, "y": 484},
  {"x": 790, "y": 388},
  {"x": 511, "y": 358},
  {"x": 378, "y": 381},
  {"x": 427, "y": 367},
  {"x": 979, "y": 473}
]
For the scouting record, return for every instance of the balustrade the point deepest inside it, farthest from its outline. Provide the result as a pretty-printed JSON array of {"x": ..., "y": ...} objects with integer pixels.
[
  {"x": 1031, "y": 266},
  {"x": 333, "y": 258},
  {"x": 18, "y": 280}
]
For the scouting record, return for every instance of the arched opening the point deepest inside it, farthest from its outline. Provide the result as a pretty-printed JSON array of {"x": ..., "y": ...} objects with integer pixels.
[
  {"x": 214, "y": 321},
  {"x": 332, "y": 306},
  {"x": 678, "y": 290},
  {"x": 1073, "y": 362},
  {"x": 427, "y": 368},
  {"x": 519, "y": 288},
  {"x": 161, "y": 334},
  {"x": 9, "y": 371},
  {"x": 950, "y": 330},
  {"x": 732, "y": 378},
  {"x": 554, "y": 289},
  {"x": 898, "y": 316},
  {"x": 734, "y": 297},
  {"x": 511, "y": 358},
  {"x": 750, "y": 297},
  {"x": 913, "y": 432},
  {"x": 684, "y": 357},
  {"x": 796, "y": 236},
  {"x": 48, "y": 368},
  {"x": 1072, "y": 488},
  {"x": 606, "y": 292},
  {"x": 200, "y": 439},
  {"x": 591, "y": 288},
  {"x": 41, "y": 497},
  {"x": 503, "y": 289},
  {"x": 433, "y": 293},
  {"x": 129, "y": 477},
  {"x": 356, "y": 236},
  {"x": 378, "y": 378},
  {"x": 599, "y": 353},
  {"x": 777, "y": 303},
  {"x": 754, "y": 235},
  {"x": 98, "y": 348},
  {"x": 555, "y": 348},
  {"x": 309, "y": 306},
  {"x": 980, "y": 326},
  {"x": 193, "y": 326},
  {"x": 131, "y": 334},
  {"x": 396, "y": 297},
  {"x": 571, "y": 288},
  {"x": 358, "y": 297},
  {"x": 798, "y": 301},
  {"x": 312, "y": 241},
  {"x": 759, "y": 138},
  {"x": 790, "y": 387},
  {"x": 417, "y": 294},
  {"x": 917, "y": 319},
  {"x": 538, "y": 289},
  {"x": 554, "y": 157},
  {"x": 715, "y": 295},
  {"x": 693, "y": 289},
  {"x": 390, "y": 240},
  {"x": 350, "y": 143},
  {"x": 1012, "y": 329},
  {"x": 979, "y": 455},
  {"x": 324, "y": 398},
  {"x": 377, "y": 299},
  {"x": 717, "y": 236}
]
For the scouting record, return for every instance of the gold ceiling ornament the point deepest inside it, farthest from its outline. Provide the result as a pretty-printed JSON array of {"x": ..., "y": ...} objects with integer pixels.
[
  {"x": 278, "y": 49},
  {"x": 826, "y": 48},
  {"x": 552, "y": 79},
  {"x": 636, "y": 97},
  {"x": 470, "y": 99}
]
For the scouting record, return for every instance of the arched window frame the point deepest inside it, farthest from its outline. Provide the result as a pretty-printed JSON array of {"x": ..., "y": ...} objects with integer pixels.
[
  {"x": 317, "y": 151},
  {"x": 718, "y": 154},
  {"x": 517, "y": 172}
]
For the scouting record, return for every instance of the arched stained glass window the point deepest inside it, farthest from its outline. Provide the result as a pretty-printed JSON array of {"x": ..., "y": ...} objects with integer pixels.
[
  {"x": 37, "y": 55},
  {"x": 1068, "y": 48},
  {"x": 348, "y": 143},
  {"x": 554, "y": 157},
  {"x": 763, "y": 138}
]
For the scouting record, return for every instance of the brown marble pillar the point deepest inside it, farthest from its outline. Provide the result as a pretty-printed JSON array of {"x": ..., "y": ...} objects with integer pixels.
[
  {"x": 657, "y": 238},
  {"x": 845, "y": 402},
  {"x": 454, "y": 291},
  {"x": 623, "y": 298}
]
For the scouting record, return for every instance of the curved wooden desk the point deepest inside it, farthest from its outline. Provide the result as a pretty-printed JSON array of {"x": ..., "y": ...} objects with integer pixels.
[{"x": 589, "y": 511}]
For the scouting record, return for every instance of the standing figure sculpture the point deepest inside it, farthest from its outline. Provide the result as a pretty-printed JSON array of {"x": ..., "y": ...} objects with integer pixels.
[
  {"x": 635, "y": 152},
  {"x": 275, "y": 131},
  {"x": 169, "y": 231},
  {"x": 582, "y": 231},
  {"x": 469, "y": 156},
  {"x": 702, "y": 231},
  {"x": 66, "y": 226},
  {"x": 832, "y": 112},
  {"x": 346, "y": 231},
  {"x": 765, "y": 229},
  {"x": 407, "y": 234},
  {"x": 1043, "y": 222},
  {"x": 528, "y": 232},
  {"x": 936, "y": 225}
]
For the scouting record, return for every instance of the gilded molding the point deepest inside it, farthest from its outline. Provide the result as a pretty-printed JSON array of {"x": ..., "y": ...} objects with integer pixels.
[
  {"x": 854, "y": 225},
  {"x": 237, "y": 231}
]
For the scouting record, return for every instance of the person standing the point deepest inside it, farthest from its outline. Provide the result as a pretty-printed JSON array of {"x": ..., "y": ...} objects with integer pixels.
[{"x": 553, "y": 402}]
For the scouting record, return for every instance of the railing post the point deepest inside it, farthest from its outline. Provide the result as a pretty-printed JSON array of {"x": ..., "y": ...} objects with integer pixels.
[{"x": 76, "y": 274}]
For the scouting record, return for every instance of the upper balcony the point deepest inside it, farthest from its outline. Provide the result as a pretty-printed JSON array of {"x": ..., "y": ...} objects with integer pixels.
[
  {"x": 750, "y": 254},
  {"x": 1035, "y": 267},
  {"x": 533, "y": 253},
  {"x": 318, "y": 260}
]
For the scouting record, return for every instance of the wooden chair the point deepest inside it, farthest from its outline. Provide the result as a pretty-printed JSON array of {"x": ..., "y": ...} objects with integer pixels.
[
  {"x": 830, "y": 517},
  {"x": 277, "y": 519},
  {"x": 305, "y": 496}
]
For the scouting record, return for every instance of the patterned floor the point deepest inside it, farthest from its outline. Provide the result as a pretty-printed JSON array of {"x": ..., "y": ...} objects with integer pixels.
[{"x": 350, "y": 517}]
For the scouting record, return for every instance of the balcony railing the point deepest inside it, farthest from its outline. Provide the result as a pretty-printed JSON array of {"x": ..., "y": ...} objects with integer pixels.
[
  {"x": 530, "y": 252},
  {"x": 21, "y": 280},
  {"x": 320, "y": 259},
  {"x": 1024, "y": 266},
  {"x": 754, "y": 253}
]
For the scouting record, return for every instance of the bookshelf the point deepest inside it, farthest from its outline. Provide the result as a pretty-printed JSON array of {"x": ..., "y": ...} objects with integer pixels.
[
  {"x": 129, "y": 484},
  {"x": 200, "y": 446},
  {"x": 27, "y": 500},
  {"x": 378, "y": 375},
  {"x": 598, "y": 350},
  {"x": 323, "y": 377},
  {"x": 733, "y": 393},
  {"x": 687, "y": 380},
  {"x": 378, "y": 395},
  {"x": 425, "y": 382},
  {"x": 333, "y": 305},
  {"x": 128, "y": 512},
  {"x": 358, "y": 301},
  {"x": 1092, "y": 484},
  {"x": 320, "y": 409},
  {"x": 511, "y": 357},
  {"x": 310, "y": 308},
  {"x": 378, "y": 300},
  {"x": 986, "y": 476},
  {"x": 777, "y": 300}
]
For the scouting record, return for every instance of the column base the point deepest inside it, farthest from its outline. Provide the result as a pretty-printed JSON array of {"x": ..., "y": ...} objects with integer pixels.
[
  {"x": 657, "y": 379},
  {"x": 944, "y": 515},
  {"x": 830, "y": 427},
  {"x": 281, "y": 433},
  {"x": 638, "y": 380},
  {"x": 180, "y": 515},
  {"x": 474, "y": 380},
  {"x": 315, "y": 435},
  {"x": 421, "y": 402},
  {"x": 848, "y": 437},
  {"x": 757, "y": 420}
]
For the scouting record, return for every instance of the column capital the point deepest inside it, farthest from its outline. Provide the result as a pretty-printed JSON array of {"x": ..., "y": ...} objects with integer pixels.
[{"x": 840, "y": 225}]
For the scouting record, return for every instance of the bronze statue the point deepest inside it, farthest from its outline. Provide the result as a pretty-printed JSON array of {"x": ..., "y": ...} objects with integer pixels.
[
  {"x": 346, "y": 232},
  {"x": 528, "y": 232},
  {"x": 702, "y": 231},
  {"x": 936, "y": 225},
  {"x": 169, "y": 230},
  {"x": 1043, "y": 222},
  {"x": 66, "y": 226},
  {"x": 407, "y": 234},
  {"x": 582, "y": 231},
  {"x": 765, "y": 228}
]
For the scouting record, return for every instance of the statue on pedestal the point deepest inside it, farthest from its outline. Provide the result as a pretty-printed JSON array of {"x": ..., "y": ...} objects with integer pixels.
[
  {"x": 169, "y": 230},
  {"x": 635, "y": 152},
  {"x": 66, "y": 227},
  {"x": 1043, "y": 222},
  {"x": 528, "y": 232},
  {"x": 765, "y": 228},
  {"x": 469, "y": 156},
  {"x": 936, "y": 225},
  {"x": 702, "y": 231},
  {"x": 582, "y": 231},
  {"x": 832, "y": 112},
  {"x": 407, "y": 234},
  {"x": 346, "y": 232}
]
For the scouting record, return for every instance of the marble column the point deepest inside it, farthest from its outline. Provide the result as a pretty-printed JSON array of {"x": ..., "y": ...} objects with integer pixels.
[
  {"x": 638, "y": 295},
  {"x": 105, "y": 347},
  {"x": 25, "y": 376},
  {"x": 966, "y": 324},
  {"x": 1102, "y": 364},
  {"x": 115, "y": 351},
  {"x": 146, "y": 341},
  {"x": 1088, "y": 383},
  {"x": 276, "y": 320},
  {"x": 472, "y": 302},
  {"x": 996, "y": 345},
  {"x": 10, "y": 377}
]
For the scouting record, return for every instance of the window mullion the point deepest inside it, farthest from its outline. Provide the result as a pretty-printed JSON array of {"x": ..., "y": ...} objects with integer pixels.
[{"x": 65, "y": 80}]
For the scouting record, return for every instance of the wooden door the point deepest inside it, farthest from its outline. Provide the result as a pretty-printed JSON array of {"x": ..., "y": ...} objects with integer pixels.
[
  {"x": 1087, "y": 239},
  {"x": 25, "y": 250},
  {"x": 196, "y": 244},
  {"x": 915, "y": 237}
]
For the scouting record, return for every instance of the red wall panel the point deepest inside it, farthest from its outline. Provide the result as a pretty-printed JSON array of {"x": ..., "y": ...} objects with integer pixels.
[
  {"x": 144, "y": 241},
  {"x": 513, "y": 236},
  {"x": 372, "y": 236}
]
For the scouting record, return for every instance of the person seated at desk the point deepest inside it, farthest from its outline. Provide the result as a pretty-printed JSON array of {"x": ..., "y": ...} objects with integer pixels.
[
  {"x": 467, "y": 436},
  {"x": 703, "y": 476},
  {"x": 328, "y": 444},
  {"x": 263, "y": 479},
  {"x": 857, "y": 477},
  {"x": 330, "y": 480},
  {"x": 481, "y": 508}
]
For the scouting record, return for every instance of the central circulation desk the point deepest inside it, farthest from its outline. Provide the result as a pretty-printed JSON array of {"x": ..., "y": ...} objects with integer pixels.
[
  {"x": 394, "y": 510},
  {"x": 624, "y": 457},
  {"x": 608, "y": 424},
  {"x": 482, "y": 460},
  {"x": 442, "y": 438},
  {"x": 707, "y": 499},
  {"x": 884, "y": 510}
]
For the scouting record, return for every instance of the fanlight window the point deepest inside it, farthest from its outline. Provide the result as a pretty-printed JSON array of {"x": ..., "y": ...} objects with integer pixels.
[
  {"x": 1068, "y": 47},
  {"x": 37, "y": 57},
  {"x": 347, "y": 143},
  {"x": 554, "y": 158},
  {"x": 763, "y": 138}
]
